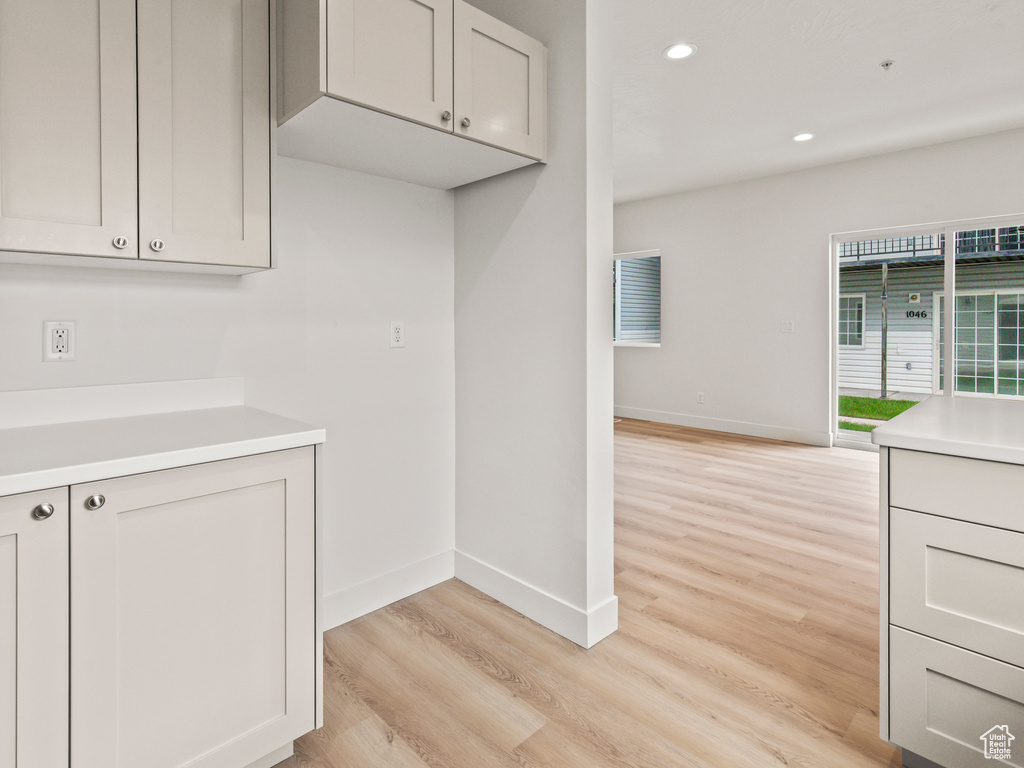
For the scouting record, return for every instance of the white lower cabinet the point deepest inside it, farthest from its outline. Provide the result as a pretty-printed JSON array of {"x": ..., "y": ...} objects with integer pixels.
[
  {"x": 192, "y": 617},
  {"x": 34, "y": 630},
  {"x": 952, "y": 643}
]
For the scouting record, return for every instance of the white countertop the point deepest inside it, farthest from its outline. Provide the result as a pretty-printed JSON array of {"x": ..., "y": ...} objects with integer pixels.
[
  {"x": 978, "y": 428},
  {"x": 38, "y": 457}
]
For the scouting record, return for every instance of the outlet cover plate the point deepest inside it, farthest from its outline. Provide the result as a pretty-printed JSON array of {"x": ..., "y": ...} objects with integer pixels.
[{"x": 59, "y": 340}]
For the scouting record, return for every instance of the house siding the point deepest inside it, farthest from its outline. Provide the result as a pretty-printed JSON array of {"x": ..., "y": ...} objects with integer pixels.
[{"x": 911, "y": 340}]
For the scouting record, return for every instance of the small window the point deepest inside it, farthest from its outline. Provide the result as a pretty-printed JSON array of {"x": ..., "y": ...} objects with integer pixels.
[
  {"x": 638, "y": 298},
  {"x": 851, "y": 321}
]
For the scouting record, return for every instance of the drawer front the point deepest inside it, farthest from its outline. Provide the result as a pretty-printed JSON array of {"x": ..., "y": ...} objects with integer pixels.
[
  {"x": 985, "y": 492},
  {"x": 958, "y": 582},
  {"x": 944, "y": 700}
]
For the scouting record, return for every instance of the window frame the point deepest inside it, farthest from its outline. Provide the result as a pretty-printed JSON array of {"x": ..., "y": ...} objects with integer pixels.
[
  {"x": 863, "y": 320},
  {"x": 618, "y": 257}
]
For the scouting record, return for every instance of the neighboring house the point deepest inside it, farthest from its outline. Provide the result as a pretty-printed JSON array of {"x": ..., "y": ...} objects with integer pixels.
[{"x": 990, "y": 295}]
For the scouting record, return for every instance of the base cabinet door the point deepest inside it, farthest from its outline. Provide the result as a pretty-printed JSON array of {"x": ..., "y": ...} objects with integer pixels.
[
  {"x": 34, "y": 630},
  {"x": 954, "y": 707},
  {"x": 193, "y": 618}
]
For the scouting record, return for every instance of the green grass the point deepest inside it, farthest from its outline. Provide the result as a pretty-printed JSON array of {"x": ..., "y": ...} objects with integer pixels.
[
  {"x": 872, "y": 408},
  {"x": 855, "y": 426}
]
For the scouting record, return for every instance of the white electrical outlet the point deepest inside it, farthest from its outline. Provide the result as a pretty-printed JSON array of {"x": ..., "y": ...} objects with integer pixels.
[
  {"x": 397, "y": 334},
  {"x": 700, "y": 398},
  {"x": 58, "y": 340},
  {"x": 787, "y": 326}
]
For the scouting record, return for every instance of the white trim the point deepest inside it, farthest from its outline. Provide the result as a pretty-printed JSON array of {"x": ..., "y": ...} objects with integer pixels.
[
  {"x": 583, "y": 627},
  {"x": 36, "y": 407},
  {"x": 348, "y": 604},
  {"x": 823, "y": 439},
  {"x": 651, "y": 344}
]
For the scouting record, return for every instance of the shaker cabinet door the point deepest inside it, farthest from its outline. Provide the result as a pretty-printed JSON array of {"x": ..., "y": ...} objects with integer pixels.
[
  {"x": 500, "y": 84},
  {"x": 393, "y": 56},
  {"x": 67, "y": 127},
  {"x": 204, "y": 131},
  {"x": 34, "y": 629},
  {"x": 193, "y": 617}
]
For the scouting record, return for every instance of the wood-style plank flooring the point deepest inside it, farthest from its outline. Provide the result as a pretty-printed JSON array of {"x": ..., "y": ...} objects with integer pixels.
[{"x": 747, "y": 577}]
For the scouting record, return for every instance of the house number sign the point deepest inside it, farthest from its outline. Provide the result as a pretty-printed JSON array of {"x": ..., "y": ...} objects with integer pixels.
[{"x": 917, "y": 313}]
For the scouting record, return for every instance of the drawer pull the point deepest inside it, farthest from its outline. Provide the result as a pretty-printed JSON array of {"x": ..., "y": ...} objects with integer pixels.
[
  {"x": 43, "y": 511},
  {"x": 95, "y": 501}
]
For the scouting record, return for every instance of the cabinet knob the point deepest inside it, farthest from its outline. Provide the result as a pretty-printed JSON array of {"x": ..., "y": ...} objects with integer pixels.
[
  {"x": 95, "y": 501},
  {"x": 43, "y": 511},
  {"x": 156, "y": 244},
  {"x": 446, "y": 115},
  {"x": 465, "y": 122},
  {"x": 120, "y": 242}
]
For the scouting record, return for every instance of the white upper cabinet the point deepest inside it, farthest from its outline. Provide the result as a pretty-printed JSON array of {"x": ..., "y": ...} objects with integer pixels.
[
  {"x": 67, "y": 127},
  {"x": 164, "y": 157},
  {"x": 204, "y": 131},
  {"x": 347, "y": 68},
  {"x": 500, "y": 84},
  {"x": 394, "y": 56}
]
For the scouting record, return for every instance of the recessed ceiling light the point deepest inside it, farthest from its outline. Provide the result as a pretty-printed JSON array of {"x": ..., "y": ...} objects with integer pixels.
[
  {"x": 803, "y": 137},
  {"x": 680, "y": 50}
]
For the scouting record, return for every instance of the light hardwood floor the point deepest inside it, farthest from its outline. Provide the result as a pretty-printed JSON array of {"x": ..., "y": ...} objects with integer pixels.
[{"x": 747, "y": 575}]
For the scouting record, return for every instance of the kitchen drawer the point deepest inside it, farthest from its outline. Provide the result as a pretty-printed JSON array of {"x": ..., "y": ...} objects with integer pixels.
[
  {"x": 943, "y": 699},
  {"x": 958, "y": 582},
  {"x": 985, "y": 492}
]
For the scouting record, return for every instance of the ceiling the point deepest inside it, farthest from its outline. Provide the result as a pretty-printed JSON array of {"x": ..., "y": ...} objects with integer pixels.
[{"x": 766, "y": 70}]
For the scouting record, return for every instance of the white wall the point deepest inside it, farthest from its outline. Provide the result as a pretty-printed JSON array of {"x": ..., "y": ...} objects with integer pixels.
[
  {"x": 739, "y": 259},
  {"x": 311, "y": 340},
  {"x": 534, "y": 522}
]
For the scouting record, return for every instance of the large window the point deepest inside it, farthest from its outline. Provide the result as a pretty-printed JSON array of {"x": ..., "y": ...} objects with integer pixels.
[
  {"x": 851, "y": 321},
  {"x": 638, "y": 298},
  {"x": 989, "y": 337}
]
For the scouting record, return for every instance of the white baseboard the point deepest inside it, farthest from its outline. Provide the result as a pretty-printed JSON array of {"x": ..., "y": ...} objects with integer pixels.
[
  {"x": 726, "y": 425},
  {"x": 584, "y": 628},
  {"x": 351, "y": 603}
]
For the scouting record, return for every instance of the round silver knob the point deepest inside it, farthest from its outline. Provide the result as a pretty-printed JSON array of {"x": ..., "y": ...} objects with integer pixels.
[
  {"x": 95, "y": 501},
  {"x": 446, "y": 115},
  {"x": 156, "y": 244},
  {"x": 465, "y": 122},
  {"x": 120, "y": 242},
  {"x": 43, "y": 511}
]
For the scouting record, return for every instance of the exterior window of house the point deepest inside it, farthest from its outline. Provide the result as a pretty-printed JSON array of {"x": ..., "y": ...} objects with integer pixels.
[
  {"x": 851, "y": 321},
  {"x": 989, "y": 343},
  {"x": 638, "y": 298}
]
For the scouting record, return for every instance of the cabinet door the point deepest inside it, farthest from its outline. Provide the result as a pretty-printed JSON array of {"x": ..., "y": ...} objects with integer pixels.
[
  {"x": 34, "y": 630},
  {"x": 394, "y": 56},
  {"x": 500, "y": 84},
  {"x": 204, "y": 131},
  {"x": 67, "y": 127},
  {"x": 193, "y": 618}
]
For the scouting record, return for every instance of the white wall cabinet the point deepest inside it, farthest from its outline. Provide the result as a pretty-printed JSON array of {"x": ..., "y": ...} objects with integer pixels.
[
  {"x": 193, "y": 626},
  {"x": 348, "y": 68},
  {"x": 67, "y": 127},
  {"x": 34, "y": 630},
  {"x": 178, "y": 174}
]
